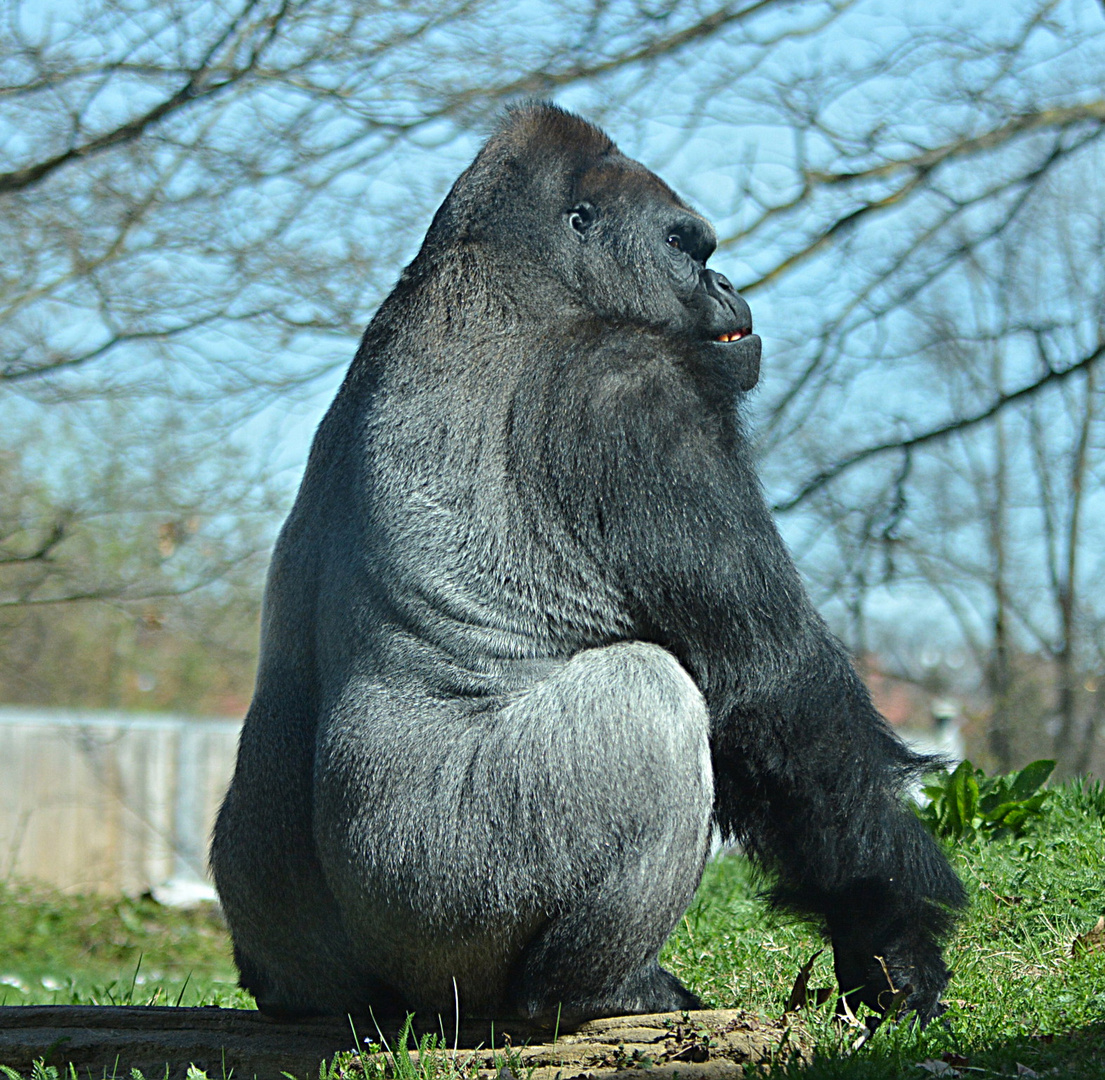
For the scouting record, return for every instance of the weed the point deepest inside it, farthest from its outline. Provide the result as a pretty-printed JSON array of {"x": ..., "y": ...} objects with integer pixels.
[{"x": 967, "y": 803}]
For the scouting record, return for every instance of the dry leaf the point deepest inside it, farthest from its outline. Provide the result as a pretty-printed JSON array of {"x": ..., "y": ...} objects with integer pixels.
[
  {"x": 799, "y": 994},
  {"x": 938, "y": 1068},
  {"x": 1091, "y": 941}
]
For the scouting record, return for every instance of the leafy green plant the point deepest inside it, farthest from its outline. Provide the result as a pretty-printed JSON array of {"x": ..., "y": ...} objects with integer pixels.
[
  {"x": 39, "y": 1071},
  {"x": 966, "y": 803}
]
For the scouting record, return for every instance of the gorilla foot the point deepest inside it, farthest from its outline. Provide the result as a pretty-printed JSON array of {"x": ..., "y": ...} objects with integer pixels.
[
  {"x": 651, "y": 989},
  {"x": 655, "y": 989}
]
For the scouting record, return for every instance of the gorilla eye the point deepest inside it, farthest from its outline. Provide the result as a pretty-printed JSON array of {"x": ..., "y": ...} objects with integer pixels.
[{"x": 675, "y": 241}]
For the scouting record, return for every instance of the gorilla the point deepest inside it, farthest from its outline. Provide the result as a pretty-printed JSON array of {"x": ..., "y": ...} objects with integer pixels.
[{"x": 530, "y": 634}]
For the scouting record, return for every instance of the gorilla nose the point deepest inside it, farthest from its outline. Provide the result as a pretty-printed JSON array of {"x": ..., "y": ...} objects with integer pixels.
[{"x": 721, "y": 289}]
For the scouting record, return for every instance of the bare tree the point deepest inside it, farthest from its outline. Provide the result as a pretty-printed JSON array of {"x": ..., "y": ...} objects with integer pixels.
[
  {"x": 226, "y": 189},
  {"x": 1006, "y": 519},
  {"x": 202, "y": 203},
  {"x": 130, "y": 562}
]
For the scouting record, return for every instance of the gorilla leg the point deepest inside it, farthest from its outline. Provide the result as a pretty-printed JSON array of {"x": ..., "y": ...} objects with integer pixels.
[
  {"x": 630, "y": 732},
  {"x": 290, "y": 945},
  {"x": 538, "y": 853}
]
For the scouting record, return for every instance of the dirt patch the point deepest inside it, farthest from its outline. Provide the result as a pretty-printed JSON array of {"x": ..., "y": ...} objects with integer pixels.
[{"x": 702, "y": 1045}]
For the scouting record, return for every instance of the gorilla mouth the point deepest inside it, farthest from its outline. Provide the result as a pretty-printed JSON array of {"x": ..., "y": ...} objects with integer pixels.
[{"x": 736, "y": 335}]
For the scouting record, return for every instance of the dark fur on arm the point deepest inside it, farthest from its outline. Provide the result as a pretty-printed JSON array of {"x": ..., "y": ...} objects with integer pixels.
[{"x": 831, "y": 825}]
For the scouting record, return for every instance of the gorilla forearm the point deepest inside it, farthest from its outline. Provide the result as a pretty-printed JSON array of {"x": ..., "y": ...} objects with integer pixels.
[{"x": 832, "y": 827}]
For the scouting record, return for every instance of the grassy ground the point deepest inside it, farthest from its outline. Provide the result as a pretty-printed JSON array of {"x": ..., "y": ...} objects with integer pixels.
[
  {"x": 1023, "y": 996},
  {"x": 86, "y": 950},
  {"x": 1028, "y": 996}
]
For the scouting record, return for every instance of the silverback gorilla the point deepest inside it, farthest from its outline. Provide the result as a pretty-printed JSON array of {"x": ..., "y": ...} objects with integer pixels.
[{"x": 530, "y": 632}]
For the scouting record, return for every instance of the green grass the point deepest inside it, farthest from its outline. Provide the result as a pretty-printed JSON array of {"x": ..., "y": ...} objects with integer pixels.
[
  {"x": 1019, "y": 998},
  {"x": 92, "y": 950}
]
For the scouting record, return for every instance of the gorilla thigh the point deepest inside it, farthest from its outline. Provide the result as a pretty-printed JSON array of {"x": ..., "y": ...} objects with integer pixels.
[{"x": 539, "y": 851}]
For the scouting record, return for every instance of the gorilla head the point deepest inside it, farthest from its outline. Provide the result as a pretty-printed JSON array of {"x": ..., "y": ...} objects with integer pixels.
[
  {"x": 553, "y": 200},
  {"x": 530, "y": 633}
]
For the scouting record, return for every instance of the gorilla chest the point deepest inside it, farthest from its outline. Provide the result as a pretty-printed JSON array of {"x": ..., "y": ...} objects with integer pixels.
[{"x": 484, "y": 567}]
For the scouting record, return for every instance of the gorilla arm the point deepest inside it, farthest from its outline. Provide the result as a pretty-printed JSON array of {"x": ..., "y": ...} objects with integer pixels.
[{"x": 808, "y": 775}]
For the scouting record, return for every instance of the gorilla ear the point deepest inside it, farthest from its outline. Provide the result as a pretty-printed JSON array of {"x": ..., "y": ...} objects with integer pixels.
[{"x": 580, "y": 218}]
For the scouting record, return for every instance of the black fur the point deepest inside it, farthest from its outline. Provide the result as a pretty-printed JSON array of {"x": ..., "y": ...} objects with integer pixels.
[{"x": 530, "y": 631}]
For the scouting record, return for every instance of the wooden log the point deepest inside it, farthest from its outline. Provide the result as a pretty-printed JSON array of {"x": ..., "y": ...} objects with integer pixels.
[{"x": 112, "y": 1040}]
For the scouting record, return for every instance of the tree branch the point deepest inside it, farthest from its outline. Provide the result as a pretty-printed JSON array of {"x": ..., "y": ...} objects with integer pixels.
[
  {"x": 193, "y": 90},
  {"x": 826, "y": 476},
  {"x": 1046, "y": 119},
  {"x": 920, "y": 166},
  {"x": 58, "y": 532}
]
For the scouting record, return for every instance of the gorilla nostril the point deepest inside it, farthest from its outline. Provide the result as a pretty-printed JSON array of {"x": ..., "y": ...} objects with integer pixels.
[{"x": 724, "y": 283}]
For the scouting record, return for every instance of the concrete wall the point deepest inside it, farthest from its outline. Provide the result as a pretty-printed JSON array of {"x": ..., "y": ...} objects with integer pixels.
[{"x": 111, "y": 801}]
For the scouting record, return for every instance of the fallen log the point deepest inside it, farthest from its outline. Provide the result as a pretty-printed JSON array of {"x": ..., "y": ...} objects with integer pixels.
[{"x": 113, "y": 1040}]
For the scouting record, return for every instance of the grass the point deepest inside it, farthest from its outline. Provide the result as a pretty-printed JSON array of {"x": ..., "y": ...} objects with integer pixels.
[
  {"x": 1024, "y": 995},
  {"x": 92, "y": 950}
]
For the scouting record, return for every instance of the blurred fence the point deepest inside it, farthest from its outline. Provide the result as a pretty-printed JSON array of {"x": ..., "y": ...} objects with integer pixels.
[{"x": 111, "y": 801}]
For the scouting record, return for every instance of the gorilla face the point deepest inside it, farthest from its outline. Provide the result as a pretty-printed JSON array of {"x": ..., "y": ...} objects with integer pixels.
[
  {"x": 584, "y": 230},
  {"x": 629, "y": 228}
]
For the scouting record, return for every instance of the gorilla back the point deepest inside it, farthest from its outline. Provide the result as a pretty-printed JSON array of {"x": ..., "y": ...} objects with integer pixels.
[{"x": 529, "y": 631}]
